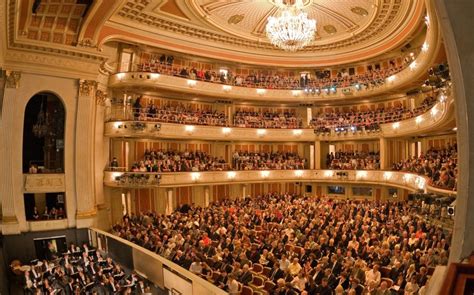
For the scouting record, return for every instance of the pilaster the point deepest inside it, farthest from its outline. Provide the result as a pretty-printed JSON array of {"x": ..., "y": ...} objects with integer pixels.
[
  {"x": 384, "y": 165},
  {"x": 8, "y": 193},
  {"x": 84, "y": 156}
]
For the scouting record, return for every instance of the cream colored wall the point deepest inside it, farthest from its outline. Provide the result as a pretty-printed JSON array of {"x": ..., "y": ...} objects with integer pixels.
[{"x": 12, "y": 121}]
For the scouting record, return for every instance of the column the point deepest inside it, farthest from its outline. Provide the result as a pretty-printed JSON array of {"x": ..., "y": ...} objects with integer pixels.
[
  {"x": 454, "y": 17},
  {"x": 245, "y": 190},
  {"x": 169, "y": 201},
  {"x": 84, "y": 154},
  {"x": 384, "y": 165},
  {"x": 8, "y": 191},
  {"x": 207, "y": 196},
  {"x": 317, "y": 154},
  {"x": 100, "y": 148}
]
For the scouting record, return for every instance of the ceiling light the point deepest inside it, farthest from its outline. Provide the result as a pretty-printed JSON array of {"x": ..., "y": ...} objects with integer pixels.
[{"x": 292, "y": 30}]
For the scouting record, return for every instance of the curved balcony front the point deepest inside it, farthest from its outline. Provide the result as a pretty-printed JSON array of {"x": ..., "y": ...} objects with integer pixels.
[
  {"x": 155, "y": 81},
  {"x": 409, "y": 181},
  {"x": 440, "y": 115}
]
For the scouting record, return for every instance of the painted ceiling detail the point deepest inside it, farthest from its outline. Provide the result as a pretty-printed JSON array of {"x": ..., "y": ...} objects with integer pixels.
[{"x": 56, "y": 21}]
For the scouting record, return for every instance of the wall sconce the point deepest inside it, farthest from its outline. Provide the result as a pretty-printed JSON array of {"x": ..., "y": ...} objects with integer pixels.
[
  {"x": 413, "y": 65},
  {"x": 226, "y": 88},
  {"x": 261, "y": 132},
  {"x": 361, "y": 174},
  {"x": 418, "y": 119},
  {"x": 296, "y": 93},
  {"x": 387, "y": 175},
  {"x": 407, "y": 177},
  {"x": 226, "y": 130},
  {"x": 265, "y": 174},
  {"x": 118, "y": 125},
  {"x": 231, "y": 174},
  {"x": 195, "y": 176},
  {"x": 396, "y": 125},
  {"x": 297, "y": 132},
  {"x": 298, "y": 173},
  {"x": 154, "y": 76},
  {"x": 192, "y": 83},
  {"x": 328, "y": 173},
  {"x": 261, "y": 91},
  {"x": 189, "y": 128},
  {"x": 434, "y": 111},
  {"x": 391, "y": 78},
  {"x": 120, "y": 76}
]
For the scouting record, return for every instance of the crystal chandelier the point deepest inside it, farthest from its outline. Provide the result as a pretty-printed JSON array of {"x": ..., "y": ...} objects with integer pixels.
[
  {"x": 40, "y": 128},
  {"x": 292, "y": 30}
]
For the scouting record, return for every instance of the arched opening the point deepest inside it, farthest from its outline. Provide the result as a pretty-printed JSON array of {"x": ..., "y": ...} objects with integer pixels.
[{"x": 43, "y": 134}]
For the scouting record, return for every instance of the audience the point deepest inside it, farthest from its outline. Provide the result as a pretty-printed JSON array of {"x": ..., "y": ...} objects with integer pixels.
[
  {"x": 180, "y": 114},
  {"x": 309, "y": 245},
  {"x": 369, "y": 119},
  {"x": 79, "y": 271},
  {"x": 267, "y": 120},
  {"x": 54, "y": 213},
  {"x": 353, "y": 160},
  {"x": 373, "y": 77},
  {"x": 439, "y": 164},
  {"x": 174, "y": 161},
  {"x": 263, "y": 161}
]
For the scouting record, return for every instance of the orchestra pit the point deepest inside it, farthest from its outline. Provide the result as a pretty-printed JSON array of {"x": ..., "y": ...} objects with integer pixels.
[{"x": 270, "y": 147}]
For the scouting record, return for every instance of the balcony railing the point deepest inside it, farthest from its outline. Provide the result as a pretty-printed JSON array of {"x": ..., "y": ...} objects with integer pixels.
[
  {"x": 409, "y": 181},
  {"x": 43, "y": 183},
  {"x": 123, "y": 125}
]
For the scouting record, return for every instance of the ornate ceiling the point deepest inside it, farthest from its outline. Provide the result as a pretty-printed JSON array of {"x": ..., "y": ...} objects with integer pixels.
[{"x": 348, "y": 30}]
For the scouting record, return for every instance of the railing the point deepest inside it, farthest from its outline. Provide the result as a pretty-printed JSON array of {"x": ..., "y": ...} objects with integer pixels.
[
  {"x": 409, "y": 181},
  {"x": 440, "y": 114},
  {"x": 43, "y": 183},
  {"x": 151, "y": 266}
]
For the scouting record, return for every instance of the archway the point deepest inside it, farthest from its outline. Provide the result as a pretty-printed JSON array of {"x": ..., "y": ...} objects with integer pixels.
[{"x": 43, "y": 134}]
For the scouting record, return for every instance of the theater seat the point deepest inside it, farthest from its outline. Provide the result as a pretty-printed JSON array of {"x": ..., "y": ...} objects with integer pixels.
[
  {"x": 268, "y": 286},
  {"x": 257, "y": 282},
  {"x": 257, "y": 268},
  {"x": 246, "y": 290},
  {"x": 385, "y": 271},
  {"x": 266, "y": 271},
  {"x": 389, "y": 282}
]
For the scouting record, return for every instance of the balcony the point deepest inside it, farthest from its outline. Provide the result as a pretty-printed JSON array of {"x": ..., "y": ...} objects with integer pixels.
[
  {"x": 122, "y": 125},
  {"x": 403, "y": 180},
  {"x": 44, "y": 182}
]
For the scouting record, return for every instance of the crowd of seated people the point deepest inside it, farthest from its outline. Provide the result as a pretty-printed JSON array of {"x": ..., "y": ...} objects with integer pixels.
[
  {"x": 369, "y": 119},
  {"x": 298, "y": 245},
  {"x": 439, "y": 164},
  {"x": 175, "y": 161},
  {"x": 353, "y": 160},
  {"x": 180, "y": 114},
  {"x": 267, "y": 120},
  {"x": 373, "y": 77},
  {"x": 244, "y": 160},
  {"x": 54, "y": 213},
  {"x": 78, "y": 271}
]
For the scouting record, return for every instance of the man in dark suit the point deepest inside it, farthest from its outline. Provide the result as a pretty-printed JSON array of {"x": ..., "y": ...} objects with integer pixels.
[
  {"x": 343, "y": 280},
  {"x": 246, "y": 277},
  {"x": 324, "y": 288},
  {"x": 276, "y": 273}
]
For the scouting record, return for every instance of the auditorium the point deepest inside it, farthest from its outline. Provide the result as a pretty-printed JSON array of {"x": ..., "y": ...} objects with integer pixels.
[{"x": 266, "y": 147}]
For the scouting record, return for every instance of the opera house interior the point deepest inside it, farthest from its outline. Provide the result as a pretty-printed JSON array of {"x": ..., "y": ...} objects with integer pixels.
[{"x": 267, "y": 147}]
